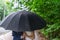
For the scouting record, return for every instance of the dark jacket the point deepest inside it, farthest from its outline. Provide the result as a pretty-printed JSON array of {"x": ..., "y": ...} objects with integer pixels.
[{"x": 17, "y": 33}]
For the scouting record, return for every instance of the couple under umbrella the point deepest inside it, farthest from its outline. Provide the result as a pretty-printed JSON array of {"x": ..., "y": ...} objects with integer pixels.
[{"x": 22, "y": 21}]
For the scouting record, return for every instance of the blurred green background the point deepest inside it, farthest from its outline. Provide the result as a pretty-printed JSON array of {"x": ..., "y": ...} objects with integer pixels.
[{"x": 48, "y": 9}]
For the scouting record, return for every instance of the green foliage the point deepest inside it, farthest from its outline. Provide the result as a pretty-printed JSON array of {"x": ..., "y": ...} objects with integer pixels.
[
  {"x": 1, "y": 10},
  {"x": 56, "y": 39}
]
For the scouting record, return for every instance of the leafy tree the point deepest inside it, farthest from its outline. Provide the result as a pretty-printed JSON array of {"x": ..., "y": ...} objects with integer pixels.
[{"x": 1, "y": 10}]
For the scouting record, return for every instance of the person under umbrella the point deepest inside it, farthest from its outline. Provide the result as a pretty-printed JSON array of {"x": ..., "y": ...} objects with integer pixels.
[{"x": 22, "y": 21}]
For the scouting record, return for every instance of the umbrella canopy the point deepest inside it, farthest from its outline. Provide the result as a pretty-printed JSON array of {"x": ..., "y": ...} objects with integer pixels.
[{"x": 23, "y": 21}]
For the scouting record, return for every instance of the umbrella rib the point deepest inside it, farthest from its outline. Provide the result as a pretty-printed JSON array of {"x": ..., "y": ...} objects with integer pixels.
[{"x": 12, "y": 18}]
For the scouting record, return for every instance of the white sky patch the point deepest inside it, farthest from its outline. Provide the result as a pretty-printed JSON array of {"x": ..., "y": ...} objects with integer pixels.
[{"x": 15, "y": 5}]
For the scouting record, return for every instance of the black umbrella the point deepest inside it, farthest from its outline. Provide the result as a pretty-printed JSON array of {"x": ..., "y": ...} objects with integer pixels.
[{"x": 23, "y": 21}]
